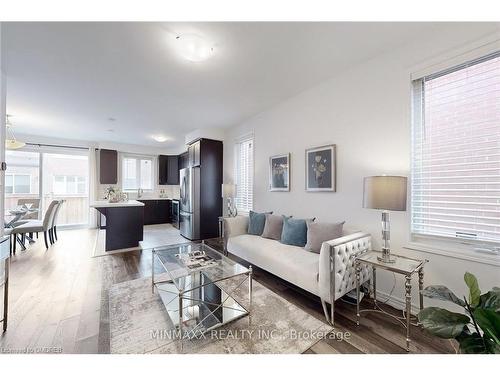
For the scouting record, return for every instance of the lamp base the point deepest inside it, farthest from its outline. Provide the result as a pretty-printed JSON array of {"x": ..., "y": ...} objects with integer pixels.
[{"x": 386, "y": 257}]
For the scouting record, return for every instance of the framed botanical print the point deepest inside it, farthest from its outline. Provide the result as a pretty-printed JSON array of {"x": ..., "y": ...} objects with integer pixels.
[
  {"x": 279, "y": 173},
  {"x": 321, "y": 168}
]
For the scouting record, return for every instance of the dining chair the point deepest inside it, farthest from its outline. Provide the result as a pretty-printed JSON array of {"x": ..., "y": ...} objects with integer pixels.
[
  {"x": 37, "y": 226},
  {"x": 53, "y": 227}
]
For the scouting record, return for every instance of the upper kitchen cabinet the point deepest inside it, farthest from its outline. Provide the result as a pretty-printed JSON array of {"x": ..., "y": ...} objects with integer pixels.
[
  {"x": 172, "y": 170},
  {"x": 162, "y": 169},
  {"x": 168, "y": 173},
  {"x": 194, "y": 154},
  {"x": 184, "y": 160},
  {"x": 108, "y": 166}
]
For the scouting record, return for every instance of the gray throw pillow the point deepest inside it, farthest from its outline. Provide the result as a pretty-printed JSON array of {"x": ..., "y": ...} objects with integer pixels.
[
  {"x": 256, "y": 222},
  {"x": 317, "y": 233},
  {"x": 273, "y": 227},
  {"x": 294, "y": 231}
]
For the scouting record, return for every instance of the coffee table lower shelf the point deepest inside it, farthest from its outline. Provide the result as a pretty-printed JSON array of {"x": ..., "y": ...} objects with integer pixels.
[{"x": 200, "y": 309}]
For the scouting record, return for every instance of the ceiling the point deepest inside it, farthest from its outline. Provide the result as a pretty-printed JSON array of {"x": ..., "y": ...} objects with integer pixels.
[{"x": 122, "y": 82}]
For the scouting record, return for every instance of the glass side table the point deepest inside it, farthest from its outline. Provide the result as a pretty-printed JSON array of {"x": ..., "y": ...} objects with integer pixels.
[{"x": 403, "y": 266}]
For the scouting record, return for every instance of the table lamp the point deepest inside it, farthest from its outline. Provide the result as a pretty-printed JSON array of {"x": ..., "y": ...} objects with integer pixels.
[
  {"x": 229, "y": 192},
  {"x": 386, "y": 193}
]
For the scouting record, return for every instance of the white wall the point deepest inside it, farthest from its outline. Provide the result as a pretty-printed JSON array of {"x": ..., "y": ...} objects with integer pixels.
[{"x": 365, "y": 111}]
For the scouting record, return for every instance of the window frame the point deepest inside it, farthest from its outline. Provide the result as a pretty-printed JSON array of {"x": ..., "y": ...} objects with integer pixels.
[
  {"x": 14, "y": 175},
  {"x": 138, "y": 158},
  {"x": 237, "y": 145},
  {"x": 485, "y": 251}
]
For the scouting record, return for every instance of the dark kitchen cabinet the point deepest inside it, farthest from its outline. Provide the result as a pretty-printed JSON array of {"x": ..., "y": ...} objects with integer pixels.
[
  {"x": 162, "y": 169},
  {"x": 162, "y": 211},
  {"x": 108, "y": 166},
  {"x": 194, "y": 154},
  {"x": 168, "y": 170},
  {"x": 157, "y": 211},
  {"x": 184, "y": 160},
  {"x": 172, "y": 170}
]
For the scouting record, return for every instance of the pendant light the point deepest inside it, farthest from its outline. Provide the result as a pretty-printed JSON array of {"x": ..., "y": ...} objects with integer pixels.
[{"x": 11, "y": 143}]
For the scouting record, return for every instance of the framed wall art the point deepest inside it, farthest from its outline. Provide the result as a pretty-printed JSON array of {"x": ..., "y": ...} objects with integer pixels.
[
  {"x": 279, "y": 172},
  {"x": 321, "y": 168}
]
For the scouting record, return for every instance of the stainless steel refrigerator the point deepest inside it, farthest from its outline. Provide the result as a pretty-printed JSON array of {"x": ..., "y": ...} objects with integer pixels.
[{"x": 189, "y": 213}]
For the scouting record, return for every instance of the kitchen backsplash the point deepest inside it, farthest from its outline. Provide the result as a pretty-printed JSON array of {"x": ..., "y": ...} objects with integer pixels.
[{"x": 170, "y": 191}]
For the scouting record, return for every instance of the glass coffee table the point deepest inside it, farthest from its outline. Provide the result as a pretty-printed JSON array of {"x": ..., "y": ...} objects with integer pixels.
[{"x": 197, "y": 285}]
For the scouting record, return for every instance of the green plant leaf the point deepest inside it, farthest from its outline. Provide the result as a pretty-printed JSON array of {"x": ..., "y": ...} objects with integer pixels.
[
  {"x": 472, "y": 344},
  {"x": 442, "y": 293},
  {"x": 489, "y": 322},
  {"x": 474, "y": 292},
  {"x": 442, "y": 323},
  {"x": 491, "y": 300}
]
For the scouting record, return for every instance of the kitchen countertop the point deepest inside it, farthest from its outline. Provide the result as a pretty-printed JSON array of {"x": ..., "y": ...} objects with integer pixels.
[
  {"x": 154, "y": 199},
  {"x": 105, "y": 204}
]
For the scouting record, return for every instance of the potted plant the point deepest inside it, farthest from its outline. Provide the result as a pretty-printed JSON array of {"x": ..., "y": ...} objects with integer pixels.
[{"x": 476, "y": 332}]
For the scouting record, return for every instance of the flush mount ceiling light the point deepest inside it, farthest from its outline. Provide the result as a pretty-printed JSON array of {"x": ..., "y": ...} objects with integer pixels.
[
  {"x": 11, "y": 143},
  {"x": 160, "y": 138},
  {"x": 193, "y": 47}
]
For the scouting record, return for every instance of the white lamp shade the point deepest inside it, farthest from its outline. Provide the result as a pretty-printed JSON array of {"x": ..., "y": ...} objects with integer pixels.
[
  {"x": 228, "y": 190},
  {"x": 385, "y": 193}
]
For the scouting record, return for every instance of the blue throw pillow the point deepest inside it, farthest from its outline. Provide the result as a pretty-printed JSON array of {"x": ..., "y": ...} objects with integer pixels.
[
  {"x": 256, "y": 222},
  {"x": 294, "y": 231}
]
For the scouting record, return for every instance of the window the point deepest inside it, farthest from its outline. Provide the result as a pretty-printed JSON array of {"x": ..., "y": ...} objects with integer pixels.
[
  {"x": 244, "y": 174},
  {"x": 137, "y": 172},
  {"x": 49, "y": 173},
  {"x": 17, "y": 183},
  {"x": 70, "y": 185},
  {"x": 456, "y": 152}
]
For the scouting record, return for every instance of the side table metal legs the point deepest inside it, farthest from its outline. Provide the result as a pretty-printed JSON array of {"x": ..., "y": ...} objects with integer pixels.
[
  {"x": 408, "y": 310},
  {"x": 421, "y": 287}
]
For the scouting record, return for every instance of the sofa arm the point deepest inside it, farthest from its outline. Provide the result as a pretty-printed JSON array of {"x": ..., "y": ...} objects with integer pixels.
[
  {"x": 233, "y": 226},
  {"x": 338, "y": 256}
]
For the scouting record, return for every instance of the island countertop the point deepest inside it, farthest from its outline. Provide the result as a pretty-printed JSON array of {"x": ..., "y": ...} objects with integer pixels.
[{"x": 107, "y": 204}]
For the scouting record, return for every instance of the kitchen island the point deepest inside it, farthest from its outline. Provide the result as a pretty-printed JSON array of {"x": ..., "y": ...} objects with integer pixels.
[{"x": 124, "y": 223}]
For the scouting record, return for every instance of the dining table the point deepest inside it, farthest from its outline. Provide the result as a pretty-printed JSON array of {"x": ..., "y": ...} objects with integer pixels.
[{"x": 13, "y": 217}]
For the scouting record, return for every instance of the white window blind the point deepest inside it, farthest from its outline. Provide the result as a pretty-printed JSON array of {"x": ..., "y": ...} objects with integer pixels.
[
  {"x": 456, "y": 152},
  {"x": 244, "y": 174}
]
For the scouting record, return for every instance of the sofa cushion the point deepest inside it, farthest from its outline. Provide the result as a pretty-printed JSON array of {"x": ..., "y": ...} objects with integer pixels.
[
  {"x": 317, "y": 233},
  {"x": 256, "y": 222},
  {"x": 291, "y": 263},
  {"x": 273, "y": 227},
  {"x": 294, "y": 231}
]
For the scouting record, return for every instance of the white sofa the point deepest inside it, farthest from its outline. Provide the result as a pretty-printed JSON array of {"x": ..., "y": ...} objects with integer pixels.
[{"x": 307, "y": 270}]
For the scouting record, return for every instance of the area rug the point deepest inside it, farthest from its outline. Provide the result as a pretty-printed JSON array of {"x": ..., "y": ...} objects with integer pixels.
[
  {"x": 154, "y": 236},
  {"x": 138, "y": 321}
]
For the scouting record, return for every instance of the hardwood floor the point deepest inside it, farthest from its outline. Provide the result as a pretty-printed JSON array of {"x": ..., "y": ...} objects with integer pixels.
[{"x": 58, "y": 303}]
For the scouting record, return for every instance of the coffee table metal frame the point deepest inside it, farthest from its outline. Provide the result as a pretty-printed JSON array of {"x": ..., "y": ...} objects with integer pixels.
[{"x": 183, "y": 295}]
